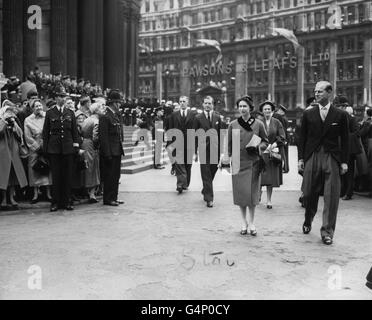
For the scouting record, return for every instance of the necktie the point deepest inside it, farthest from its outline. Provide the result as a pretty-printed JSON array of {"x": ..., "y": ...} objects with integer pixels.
[
  {"x": 209, "y": 116},
  {"x": 183, "y": 114},
  {"x": 323, "y": 113}
]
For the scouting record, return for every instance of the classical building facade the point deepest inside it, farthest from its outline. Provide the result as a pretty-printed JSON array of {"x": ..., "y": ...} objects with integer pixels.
[
  {"x": 94, "y": 39},
  {"x": 335, "y": 40}
]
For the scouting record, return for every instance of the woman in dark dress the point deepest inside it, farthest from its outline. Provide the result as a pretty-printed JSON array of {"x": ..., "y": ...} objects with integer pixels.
[
  {"x": 246, "y": 162},
  {"x": 272, "y": 177}
]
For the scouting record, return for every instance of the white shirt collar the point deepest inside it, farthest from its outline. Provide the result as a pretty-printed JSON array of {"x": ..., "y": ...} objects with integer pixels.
[{"x": 326, "y": 106}]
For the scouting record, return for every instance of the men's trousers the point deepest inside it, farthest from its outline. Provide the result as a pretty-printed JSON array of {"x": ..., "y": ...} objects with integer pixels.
[
  {"x": 322, "y": 170},
  {"x": 183, "y": 173},
  {"x": 61, "y": 169},
  {"x": 112, "y": 172},
  {"x": 208, "y": 172}
]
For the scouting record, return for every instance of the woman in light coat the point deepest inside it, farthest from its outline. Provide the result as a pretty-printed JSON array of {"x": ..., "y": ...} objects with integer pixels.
[
  {"x": 33, "y": 136},
  {"x": 11, "y": 137}
]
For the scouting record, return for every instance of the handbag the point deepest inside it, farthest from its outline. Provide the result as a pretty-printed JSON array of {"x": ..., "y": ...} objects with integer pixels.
[
  {"x": 41, "y": 166},
  {"x": 276, "y": 158}
]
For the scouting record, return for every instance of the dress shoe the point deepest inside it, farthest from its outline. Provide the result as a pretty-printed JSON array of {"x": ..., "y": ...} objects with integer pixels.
[
  {"x": 34, "y": 201},
  {"x": 53, "y": 208},
  {"x": 210, "y": 204},
  {"x": 159, "y": 167},
  {"x": 269, "y": 206},
  {"x": 111, "y": 203},
  {"x": 346, "y": 198},
  {"x": 244, "y": 232},
  {"x": 120, "y": 201},
  {"x": 92, "y": 201},
  {"x": 306, "y": 229},
  {"x": 179, "y": 190},
  {"x": 327, "y": 240},
  {"x": 70, "y": 207}
]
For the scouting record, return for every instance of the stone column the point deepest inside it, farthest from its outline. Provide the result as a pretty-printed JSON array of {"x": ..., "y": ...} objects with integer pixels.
[
  {"x": 58, "y": 39},
  {"x": 72, "y": 37},
  {"x": 367, "y": 71},
  {"x": 271, "y": 73},
  {"x": 13, "y": 38},
  {"x": 300, "y": 77},
  {"x": 29, "y": 40},
  {"x": 185, "y": 82},
  {"x": 91, "y": 40},
  {"x": 333, "y": 64},
  {"x": 159, "y": 80},
  {"x": 241, "y": 84}
]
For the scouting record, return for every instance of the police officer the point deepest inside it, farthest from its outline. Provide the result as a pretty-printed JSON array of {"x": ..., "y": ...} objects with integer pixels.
[
  {"x": 60, "y": 143},
  {"x": 111, "y": 148}
]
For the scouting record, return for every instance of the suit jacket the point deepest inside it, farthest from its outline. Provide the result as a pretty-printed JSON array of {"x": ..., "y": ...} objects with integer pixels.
[
  {"x": 333, "y": 134},
  {"x": 60, "y": 132},
  {"x": 201, "y": 122},
  {"x": 110, "y": 135},
  {"x": 176, "y": 122}
]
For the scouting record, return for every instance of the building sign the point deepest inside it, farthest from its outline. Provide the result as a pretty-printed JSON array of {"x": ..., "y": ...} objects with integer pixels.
[
  {"x": 286, "y": 62},
  {"x": 208, "y": 70}
]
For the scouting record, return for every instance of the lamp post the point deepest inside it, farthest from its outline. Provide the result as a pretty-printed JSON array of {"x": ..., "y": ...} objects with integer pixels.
[{"x": 166, "y": 76}]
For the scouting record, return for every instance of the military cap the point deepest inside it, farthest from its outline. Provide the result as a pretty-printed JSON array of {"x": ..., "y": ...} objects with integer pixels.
[
  {"x": 79, "y": 113},
  {"x": 84, "y": 99},
  {"x": 13, "y": 78},
  {"x": 60, "y": 91}
]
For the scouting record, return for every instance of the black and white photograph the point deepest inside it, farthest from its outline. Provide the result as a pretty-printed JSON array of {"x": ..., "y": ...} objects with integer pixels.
[{"x": 186, "y": 150}]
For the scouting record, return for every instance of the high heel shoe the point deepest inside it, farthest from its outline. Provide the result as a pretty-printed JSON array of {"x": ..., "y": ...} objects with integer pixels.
[{"x": 253, "y": 232}]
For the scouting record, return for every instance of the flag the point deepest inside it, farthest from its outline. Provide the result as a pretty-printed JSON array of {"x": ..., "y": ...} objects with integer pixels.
[
  {"x": 215, "y": 44},
  {"x": 289, "y": 35}
]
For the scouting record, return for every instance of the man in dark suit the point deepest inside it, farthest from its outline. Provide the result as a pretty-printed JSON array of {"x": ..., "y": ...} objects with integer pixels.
[
  {"x": 209, "y": 123},
  {"x": 183, "y": 120},
  {"x": 323, "y": 157},
  {"x": 60, "y": 143},
  {"x": 111, "y": 148}
]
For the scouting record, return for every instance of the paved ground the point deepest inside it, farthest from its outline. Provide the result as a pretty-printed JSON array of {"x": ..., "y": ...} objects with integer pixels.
[{"x": 160, "y": 245}]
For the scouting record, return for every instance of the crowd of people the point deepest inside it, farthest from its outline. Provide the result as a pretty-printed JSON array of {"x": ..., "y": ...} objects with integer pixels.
[{"x": 64, "y": 140}]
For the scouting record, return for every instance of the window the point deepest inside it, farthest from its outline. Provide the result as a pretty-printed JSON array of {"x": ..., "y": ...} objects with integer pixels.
[
  {"x": 205, "y": 14},
  {"x": 194, "y": 18},
  {"x": 318, "y": 20},
  {"x": 171, "y": 4},
  {"x": 147, "y": 6},
  {"x": 259, "y": 7},
  {"x": 351, "y": 14},
  {"x": 361, "y": 12},
  {"x": 233, "y": 12}
]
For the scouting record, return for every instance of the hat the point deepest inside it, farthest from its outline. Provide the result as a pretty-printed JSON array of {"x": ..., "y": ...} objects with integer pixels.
[
  {"x": 283, "y": 108},
  {"x": 73, "y": 78},
  {"x": 114, "y": 96},
  {"x": 58, "y": 74},
  {"x": 13, "y": 78},
  {"x": 50, "y": 104},
  {"x": 31, "y": 94},
  {"x": 272, "y": 104},
  {"x": 81, "y": 80},
  {"x": 66, "y": 77},
  {"x": 60, "y": 91}
]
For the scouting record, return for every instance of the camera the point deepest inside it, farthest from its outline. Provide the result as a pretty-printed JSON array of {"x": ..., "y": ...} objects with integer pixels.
[{"x": 10, "y": 121}]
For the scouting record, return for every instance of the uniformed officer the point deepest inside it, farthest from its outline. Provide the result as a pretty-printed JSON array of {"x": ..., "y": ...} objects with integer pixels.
[
  {"x": 111, "y": 148},
  {"x": 60, "y": 143}
]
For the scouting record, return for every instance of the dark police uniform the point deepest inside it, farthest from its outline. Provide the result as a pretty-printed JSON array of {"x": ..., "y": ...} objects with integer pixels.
[
  {"x": 60, "y": 140},
  {"x": 111, "y": 149}
]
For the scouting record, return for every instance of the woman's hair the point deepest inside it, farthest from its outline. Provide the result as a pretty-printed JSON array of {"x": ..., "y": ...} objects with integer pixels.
[
  {"x": 246, "y": 99},
  {"x": 269, "y": 103},
  {"x": 33, "y": 103}
]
